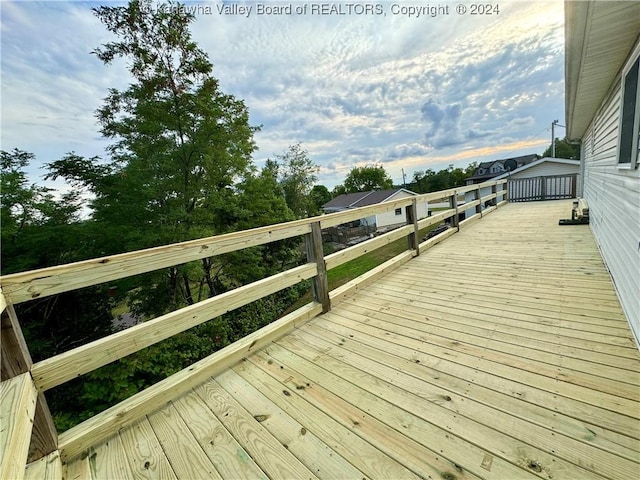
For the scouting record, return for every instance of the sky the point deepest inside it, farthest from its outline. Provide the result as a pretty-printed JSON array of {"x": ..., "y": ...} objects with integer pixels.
[{"x": 409, "y": 85}]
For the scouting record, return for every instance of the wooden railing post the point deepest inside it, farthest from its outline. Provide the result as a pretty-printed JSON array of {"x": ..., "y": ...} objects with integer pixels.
[
  {"x": 494, "y": 191},
  {"x": 453, "y": 203},
  {"x": 315, "y": 254},
  {"x": 16, "y": 360},
  {"x": 478, "y": 197},
  {"x": 411, "y": 213}
]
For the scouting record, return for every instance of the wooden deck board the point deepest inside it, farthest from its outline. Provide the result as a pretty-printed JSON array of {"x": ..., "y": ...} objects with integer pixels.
[{"x": 501, "y": 352}]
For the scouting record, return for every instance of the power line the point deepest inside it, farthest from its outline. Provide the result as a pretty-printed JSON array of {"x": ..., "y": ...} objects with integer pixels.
[{"x": 545, "y": 129}]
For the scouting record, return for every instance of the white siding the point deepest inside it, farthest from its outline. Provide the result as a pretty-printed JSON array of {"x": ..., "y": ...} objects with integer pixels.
[
  {"x": 390, "y": 218},
  {"x": 613, "y": 195},
  {"x": 548, "y": 168}
]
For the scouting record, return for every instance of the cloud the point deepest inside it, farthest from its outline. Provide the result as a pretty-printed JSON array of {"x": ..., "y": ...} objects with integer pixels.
[{"x": 353, "y": 89}]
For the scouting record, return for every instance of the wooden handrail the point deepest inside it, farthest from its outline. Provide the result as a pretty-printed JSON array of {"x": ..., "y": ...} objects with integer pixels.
[
  {"x": 24, "y": 286},
  {"x": 56, "y": 370},
  {"x": 61, "y": 368}
]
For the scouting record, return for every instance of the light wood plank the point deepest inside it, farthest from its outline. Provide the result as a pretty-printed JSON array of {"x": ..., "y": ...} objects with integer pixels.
[
  {"x": 25, "y": 286},
  {"x": 347, "y": 254},
  {"x": 511, "y": 319},
  {"x": 402, "y": 389},
  {"x": 510, "y": 367},
  {"x": 92, "y": 431},
  {"x": 144, "y": 452},
  {"x": 533, "y": 389},
  {"x": 54, "y": 466},
  {"x": 571, "y": 418},
  {"x": 369, "y": 277},
  {"x": 378, "y": 421},
  {"x": 230, "y": 459},
  {"x": 18, "y": 397},
  {"x": 36, "y": 470},
  {"x": 551, "y": 363},
  {"x": 518, "y": 309},
  {"x": 482, "y": 329},
  {"x": 317, "y": 456},
  {"x": 108, "y": 461},
  {"x": 272, "y": 457},
  {"x": 77, "y": 469},
  {"x": 185, "y": 455},
  {"x": 61, "y": 368},
  {"x": 360, "y": 453}
]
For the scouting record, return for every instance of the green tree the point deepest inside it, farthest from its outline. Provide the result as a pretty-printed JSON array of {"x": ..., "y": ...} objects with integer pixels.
[
  {"x": 41, "y": 229},
  {"x": 564, "y": 149},
  {"x": 296, "y": 175},
  {"x": 319, "y": 196},
  {"x": 432, "y": 181},
  {"x": 369, "y": 177},
  {"x": 180, "y": 145},
  {"x": 36, "y": 226}
]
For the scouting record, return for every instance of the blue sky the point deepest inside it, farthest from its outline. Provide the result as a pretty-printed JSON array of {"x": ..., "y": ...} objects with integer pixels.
[{"x": 410, "y": 93}]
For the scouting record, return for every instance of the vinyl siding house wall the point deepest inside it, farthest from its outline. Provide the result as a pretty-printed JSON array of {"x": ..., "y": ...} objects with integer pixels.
[{"x": 602, "y": 47}]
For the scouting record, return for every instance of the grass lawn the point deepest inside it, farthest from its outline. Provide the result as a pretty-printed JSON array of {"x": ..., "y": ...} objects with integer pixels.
[{"x": 354, "y": 268}]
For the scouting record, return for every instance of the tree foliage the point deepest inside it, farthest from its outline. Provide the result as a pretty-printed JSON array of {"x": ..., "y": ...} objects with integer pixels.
[
  {"x": 425, "y": 181},
  {"x": 564, "y": 149},
  {"x": 363, "y": 179},
  {"x": 296, "y": 175},
  {"x": 319, "y": 196},
  {"x": 179, "y": 168}
]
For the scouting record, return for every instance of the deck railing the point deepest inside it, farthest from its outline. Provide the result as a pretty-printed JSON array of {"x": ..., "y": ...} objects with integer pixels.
[
  {"x": 549, "y": 187},
  {"x": 24, "y": 412}
]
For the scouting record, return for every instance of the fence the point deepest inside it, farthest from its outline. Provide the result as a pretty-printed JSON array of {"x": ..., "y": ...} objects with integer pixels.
[
  {"x": 552, "y": 187},
  {"x": 29, "y": 432}
]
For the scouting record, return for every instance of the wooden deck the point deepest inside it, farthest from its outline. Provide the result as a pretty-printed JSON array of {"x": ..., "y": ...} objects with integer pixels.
[{"x": 501, "y": 353}]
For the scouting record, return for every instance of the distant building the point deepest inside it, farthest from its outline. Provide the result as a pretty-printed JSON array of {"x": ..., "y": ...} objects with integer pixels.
[
  {"x": 488, "y": 170},
  {"x": 382, "y": 221}
]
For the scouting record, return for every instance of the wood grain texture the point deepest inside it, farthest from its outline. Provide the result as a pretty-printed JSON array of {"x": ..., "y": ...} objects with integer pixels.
[
  {"x": 91, "y": 432},
  {"x": 61, "y": 368},
  {"x": 146, "y": 457},
  {"x": 48, "y": 467},
  {"x": 272, "y": 457},
  {"x": 468, "y": 362},
  {"x": 301, "y": 441},
  {"x": 17, "y": 408},
  {"x": 21, "y": 287},
  {"x": 185, "y": 455},
  {"x": 25, "y": 286},
  {"x": 224, "y": 451}
]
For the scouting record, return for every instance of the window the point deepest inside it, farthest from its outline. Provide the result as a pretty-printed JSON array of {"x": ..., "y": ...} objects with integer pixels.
[
  {"x": 630, "y": 118},
  {"x": 398, "y": 211}
]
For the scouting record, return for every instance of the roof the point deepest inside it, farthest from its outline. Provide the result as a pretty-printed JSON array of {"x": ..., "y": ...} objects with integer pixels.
[
  {"x": 522, "y": 160},
  {"x": 362, "y": 199},
  {"x": 598, "y": 39},
  {"x": 563, "y": 161}
]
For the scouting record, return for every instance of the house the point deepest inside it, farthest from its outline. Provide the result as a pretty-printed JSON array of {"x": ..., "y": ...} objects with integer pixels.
[
  {"x": 602, "y": 105},
  {"x": 489, "y": 170},
  {"x": 382, "y": 221},
  {"x": 542, "y": 179}
]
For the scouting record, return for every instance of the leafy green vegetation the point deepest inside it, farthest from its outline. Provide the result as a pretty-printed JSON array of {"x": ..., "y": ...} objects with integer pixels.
[{"x": 180, "y": 167}]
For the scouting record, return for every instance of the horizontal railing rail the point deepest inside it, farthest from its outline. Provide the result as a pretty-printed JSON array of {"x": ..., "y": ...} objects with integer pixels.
[{"x": 51, "y": 372}]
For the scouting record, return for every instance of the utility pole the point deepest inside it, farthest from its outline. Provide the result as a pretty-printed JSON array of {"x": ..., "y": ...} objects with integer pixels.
[
  {"x": 404, "y": 180},
  {"x": 553, "y": 138}
]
